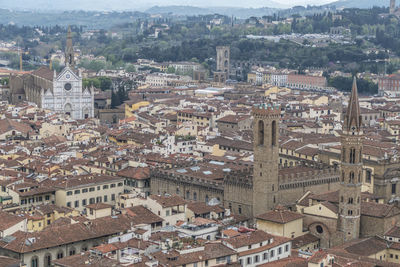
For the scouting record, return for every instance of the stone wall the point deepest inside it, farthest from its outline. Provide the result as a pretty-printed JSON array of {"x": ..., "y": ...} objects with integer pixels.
[{"x": 162, "y": 182}]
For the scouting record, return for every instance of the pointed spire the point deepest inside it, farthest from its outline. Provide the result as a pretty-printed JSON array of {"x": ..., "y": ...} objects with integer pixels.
[{"x": 353, "y": 115}]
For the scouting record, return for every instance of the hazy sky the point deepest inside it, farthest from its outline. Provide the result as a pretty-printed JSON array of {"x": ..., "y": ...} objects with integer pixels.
[{"x": 143, "y": 4}]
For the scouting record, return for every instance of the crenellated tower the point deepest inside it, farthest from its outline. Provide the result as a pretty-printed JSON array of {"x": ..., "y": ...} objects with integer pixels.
[
  {"x": 266, "y": 157},
  {"x": 351, "y": 170}
]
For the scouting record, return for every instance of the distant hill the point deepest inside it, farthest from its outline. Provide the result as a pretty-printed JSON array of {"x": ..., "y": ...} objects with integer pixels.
[
  {"x": 227, "y": 11},
  {"x": 359, "y": 3},
  {"x": 90, "y": 19}
]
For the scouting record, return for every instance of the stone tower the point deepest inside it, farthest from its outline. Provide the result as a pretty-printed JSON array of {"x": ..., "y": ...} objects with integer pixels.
[
  {"x": 223, "y": 59},
  {"x": 351, "y": 170},
  {"x": 266, "y": 157},
  {"x": 392, "y": 7},
  {"x": 69, "y": 51}
]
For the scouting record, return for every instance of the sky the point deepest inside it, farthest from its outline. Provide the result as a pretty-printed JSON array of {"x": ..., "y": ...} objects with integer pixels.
[{"x": 143, "y": 4}]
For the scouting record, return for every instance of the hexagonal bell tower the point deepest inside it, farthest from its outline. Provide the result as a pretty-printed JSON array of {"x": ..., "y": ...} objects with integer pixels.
[
  {"x": 266, "y": 157},
  {"x": 351, "y": 170}
]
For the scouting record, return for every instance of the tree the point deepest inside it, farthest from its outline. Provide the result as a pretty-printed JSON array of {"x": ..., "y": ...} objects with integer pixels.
[
  {"x": 171, "y": 69},
  {"x": 105, "y": 83},
  {"x": 130, "y": 68},
  {"x": 115, "y": 101}
]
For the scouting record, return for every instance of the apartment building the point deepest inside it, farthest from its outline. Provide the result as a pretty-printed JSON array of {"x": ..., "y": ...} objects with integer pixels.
[{"x": 79, "y": 191}]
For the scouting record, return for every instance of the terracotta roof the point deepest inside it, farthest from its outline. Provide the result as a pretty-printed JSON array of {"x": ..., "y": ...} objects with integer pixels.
[
  {"x": 85, "y": 260},
  {"x": 99, "y": 206},
  {"x": 233, "y": 118},
  {"x": 249, "y": 238},
  {"x": 374, "y": 209},
  {"x": 366, "y": 247},
  {"x": 280, "y": 216},
  {"x": 330, "y": 206},
  {"x": 139, "y": 215},
  {"x": 9, "y": 262},
  {"x": 230, "y": 233},
  {"x": 278, "y": 240},
  {"x": 332, "y": 196},
  {"x": 7, "y": 125},
  {"x": 66, "y": 234},
  {"x": 202, "y": 208},
  {"x": 44, "y": 73},
  {"x": 135, "y": 173},
  {"x": 211, "y": 251},
  {"x": 393, "y": 232},
  {"x": 8, "y": 220},
  {"x": 287, "y": 262},
  {"x": 168, "y": 201},
  {"x": 304, "y": 240}
]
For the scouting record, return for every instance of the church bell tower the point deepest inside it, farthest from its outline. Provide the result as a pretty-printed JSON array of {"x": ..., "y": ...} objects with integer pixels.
[
  {"x": 351, "y": 170},
  {"x": 266, "y": 157},
  {"x": 69, "y": 51}
]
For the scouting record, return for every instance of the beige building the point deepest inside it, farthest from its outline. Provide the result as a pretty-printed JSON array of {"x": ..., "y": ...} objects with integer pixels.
[
  {"x": 98, "y": 210},
  {"x": 281, "y": 222},
  {"x": 10, "y": 223},
  {"x": 171, "y": 208},
  {"x": 38, "y": 249},
  {"x": 79, "y": 191}
]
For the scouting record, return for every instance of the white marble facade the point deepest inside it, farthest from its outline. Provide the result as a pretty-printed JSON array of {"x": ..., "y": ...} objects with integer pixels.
[{"x": 67, "y": 95}]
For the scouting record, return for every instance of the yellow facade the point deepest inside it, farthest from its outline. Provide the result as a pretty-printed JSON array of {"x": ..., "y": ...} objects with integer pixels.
[
  {"x": 39, "y": 222},
  {"x": 291, "y": 229},
  {"x": 130, "y": 109},
  {"x": 275, "y": 90}
]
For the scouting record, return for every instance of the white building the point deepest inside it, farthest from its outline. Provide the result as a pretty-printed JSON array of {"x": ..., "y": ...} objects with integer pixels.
[
  {"x": 259, "y": 247},
  {"x": 67, "y": 95}
]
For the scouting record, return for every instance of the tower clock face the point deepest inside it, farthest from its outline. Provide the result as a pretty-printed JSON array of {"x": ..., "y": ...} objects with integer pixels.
[{"x": 67, "y": 86}]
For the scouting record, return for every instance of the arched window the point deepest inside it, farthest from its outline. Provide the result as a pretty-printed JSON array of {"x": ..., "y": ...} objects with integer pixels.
[
  {"x": 194, "y": 196},
  {"x": 352, "y": 158},
  {"x": 342, "y": 176},
  {"x": 226, "y": 63},
  {"x": 226, "y": 53},
  {"x": 368, "y": 175},
  {"x": 35, "y": 261},
  {"x": 260, "y": 133},
  {"x": 177, "y": 191},
  {"x": 273, "y": 133},
  {"x": 68, "y": 109},
  {"x": 187, "y": 194},
  {"x": 72, "y": 251},
  {"x": 349, "y": 212},
  {"x": 206, "y": 198},
  {"x": 47, "y": 260},
  {"x": 351, "y": 176},
  {"x": 350, "y": 200},
  {"x": 344, "y": 154},
  {"x": 60, "y": 254}
]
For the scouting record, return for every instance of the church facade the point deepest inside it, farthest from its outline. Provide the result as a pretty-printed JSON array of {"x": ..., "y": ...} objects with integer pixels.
[{"x": 59, "y": 92}]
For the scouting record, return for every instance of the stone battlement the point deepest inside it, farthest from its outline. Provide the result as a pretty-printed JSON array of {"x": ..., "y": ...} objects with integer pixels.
[
  {"x": 266, "y": 109},
  {"x": 242, "y": 177},
  {"x": 308, "y": 178},
  {"x": 168, "y": 175}
]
